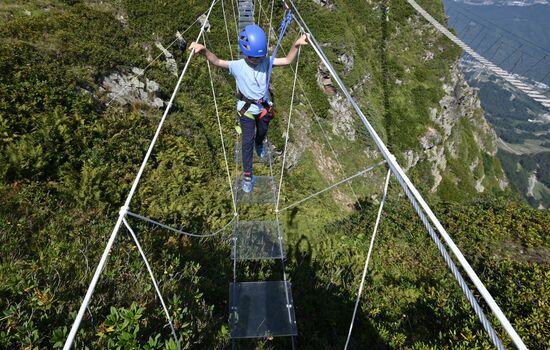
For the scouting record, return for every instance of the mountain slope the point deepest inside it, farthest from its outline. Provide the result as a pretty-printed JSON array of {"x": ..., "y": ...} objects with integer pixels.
[{"x": 68, "y": 157}]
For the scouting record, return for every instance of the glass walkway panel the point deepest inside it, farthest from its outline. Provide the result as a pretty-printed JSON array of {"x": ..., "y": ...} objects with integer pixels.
[
  {"x": 261, "y": 309},
  {"x": 257, "y": 240},
  {"x": 266, "y": 159},
  {"x": 263, "y": 192}
]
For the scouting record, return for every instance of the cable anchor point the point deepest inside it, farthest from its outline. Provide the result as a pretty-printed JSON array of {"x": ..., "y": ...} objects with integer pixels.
[{"x": 123, "y": 210}]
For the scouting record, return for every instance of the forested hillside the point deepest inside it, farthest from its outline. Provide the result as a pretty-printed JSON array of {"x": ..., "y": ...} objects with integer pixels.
[{"x": 72, "y": 138}]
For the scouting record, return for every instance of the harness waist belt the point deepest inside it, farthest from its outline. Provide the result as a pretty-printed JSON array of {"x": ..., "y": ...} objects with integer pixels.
[{"x": 267, "y": 107}]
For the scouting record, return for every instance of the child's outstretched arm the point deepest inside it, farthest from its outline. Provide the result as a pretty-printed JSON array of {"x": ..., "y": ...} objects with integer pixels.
[
  {"x": 292, "y": 53},
  {"x": 211, "y": 57}
]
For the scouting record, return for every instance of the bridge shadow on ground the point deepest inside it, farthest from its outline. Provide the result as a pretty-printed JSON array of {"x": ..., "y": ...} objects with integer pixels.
[{"x": 324, "y": 313}]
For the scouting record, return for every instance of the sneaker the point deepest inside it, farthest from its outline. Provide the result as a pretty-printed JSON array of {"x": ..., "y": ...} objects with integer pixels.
[
  {"x": 248, "y": 183},
  {"x": 260, "y": 151}
]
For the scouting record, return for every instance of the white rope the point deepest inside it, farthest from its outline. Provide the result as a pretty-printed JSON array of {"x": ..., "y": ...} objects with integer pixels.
[
  {"x": 227, "y": 31},
  {"x": 154, "y": 282},
  {"x": 334, "y": 185},
  {"x": 360, "y": 292},
  {"x": 124, "y": 208},
  {"x": 259, "y": 15},
  {"x": 333, "y": 151},
  {"x": 270, "y": 21},
  {"x": 234, "y": 201},
  {"x": 288, "y": 130},
  {"x": 196, "y": 235},
  {"x": 545, "y": 101},
  {"x": 271, "y": 29},
  {"x": 317, "y": 119},
  {"x": 235, "y": 17},
  {"x": 408, "y": 185}
]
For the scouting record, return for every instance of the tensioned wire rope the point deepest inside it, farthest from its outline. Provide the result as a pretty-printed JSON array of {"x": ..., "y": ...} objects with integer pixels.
[
  {"x": 488, "y": 23},
  {"x": 287, "y": 133},
  {"x": 124, "y": 209},
  {"x": 235, "y": 214},
  {"x": 233, "y": 200},
  {"x": 236, "y": 134},
  {"x": 325, "y": 135},
  {"x": 277, "y": 211},
  {"x": 270, "y": 20},
  {"x": 259, "y": 23},
  {"x": 336, "y": 184},
  {"x": 234, "y": 15},
  {"x": 226, "y": 31},
  {"x": 419, "y": 203},
  {"x": 371, "y": 246},
  {"x": 280, "y": 234},
  {"x": 510, "y": 78},
  {"x": 155, "y": 284},
  {"x": 181, "y": 232}
]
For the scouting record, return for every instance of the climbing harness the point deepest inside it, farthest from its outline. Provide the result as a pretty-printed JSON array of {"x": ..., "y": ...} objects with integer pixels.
[{"x": 267, "y": 106}]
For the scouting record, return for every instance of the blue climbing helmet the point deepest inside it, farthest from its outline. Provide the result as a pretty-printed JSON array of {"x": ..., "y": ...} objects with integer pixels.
[{"x": 252, "y": 41}]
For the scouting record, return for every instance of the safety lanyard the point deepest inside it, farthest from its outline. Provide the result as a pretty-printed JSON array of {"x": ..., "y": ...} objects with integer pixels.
[{"x": 282, "y": 29}]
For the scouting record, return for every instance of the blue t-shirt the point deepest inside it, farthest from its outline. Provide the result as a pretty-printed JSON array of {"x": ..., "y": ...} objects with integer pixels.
[{"x": 250, "y": 81}]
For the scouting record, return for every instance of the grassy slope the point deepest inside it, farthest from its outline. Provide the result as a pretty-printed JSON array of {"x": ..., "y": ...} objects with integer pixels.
[{"x": 67, "y": 163}]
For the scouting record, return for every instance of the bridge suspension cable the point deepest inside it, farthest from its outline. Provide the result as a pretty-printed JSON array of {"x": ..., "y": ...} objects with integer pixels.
[
  {"x": 317, "y": 119},
  {"x": 346, "y": 180},
  {"x": 421, "y": 207},
  {"x": 124, "y": 209},
  {"x": 181, "y": 232},
  {"x": 371, "y": 246},
  {"x": 535, "y": 95},
  {"x": 155, "y": 284},
  {"x": 427, "y": 216}
]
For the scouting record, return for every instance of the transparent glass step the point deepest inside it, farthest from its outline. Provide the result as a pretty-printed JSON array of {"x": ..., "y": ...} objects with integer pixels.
[
  {"x": 262, "y": 193},
  {"x": 261, "y": 309},
  {"x": 257, "y": 240},
  {"x": 268, "y": 147}
]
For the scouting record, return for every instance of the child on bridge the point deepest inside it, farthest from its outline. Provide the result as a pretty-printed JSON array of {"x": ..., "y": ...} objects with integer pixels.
[{"x": 253, "y": 106}]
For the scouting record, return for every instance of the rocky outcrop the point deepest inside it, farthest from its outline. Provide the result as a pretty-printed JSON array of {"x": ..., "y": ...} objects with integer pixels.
[
  {"x": 325, "y": 3},
  {"x": 325, "y": 81},
  {"x": 128, "y": 89},
  {"x": 347, "y": 61},
  {"x": 459, "y": 101},
  {"x": 325, "y": 163},
  {"x": 171, "y": 64},
  {"x": 531, "y": 184},
  {"x": 203, "y": 20},
  {"x": 342, "y": 117}
]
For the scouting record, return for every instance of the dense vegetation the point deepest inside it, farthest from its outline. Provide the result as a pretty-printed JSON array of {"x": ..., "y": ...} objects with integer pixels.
[{"x": 67, "y": 161}]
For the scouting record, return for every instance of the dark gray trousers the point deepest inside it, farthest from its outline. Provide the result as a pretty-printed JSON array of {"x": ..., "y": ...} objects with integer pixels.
[{"x": 253, "y": 132}]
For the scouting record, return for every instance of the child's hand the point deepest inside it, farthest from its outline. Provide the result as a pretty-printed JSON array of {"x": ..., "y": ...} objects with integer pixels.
[
  {"x": 303, "y": 40},
  {"x": 197, "y": 47}
]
